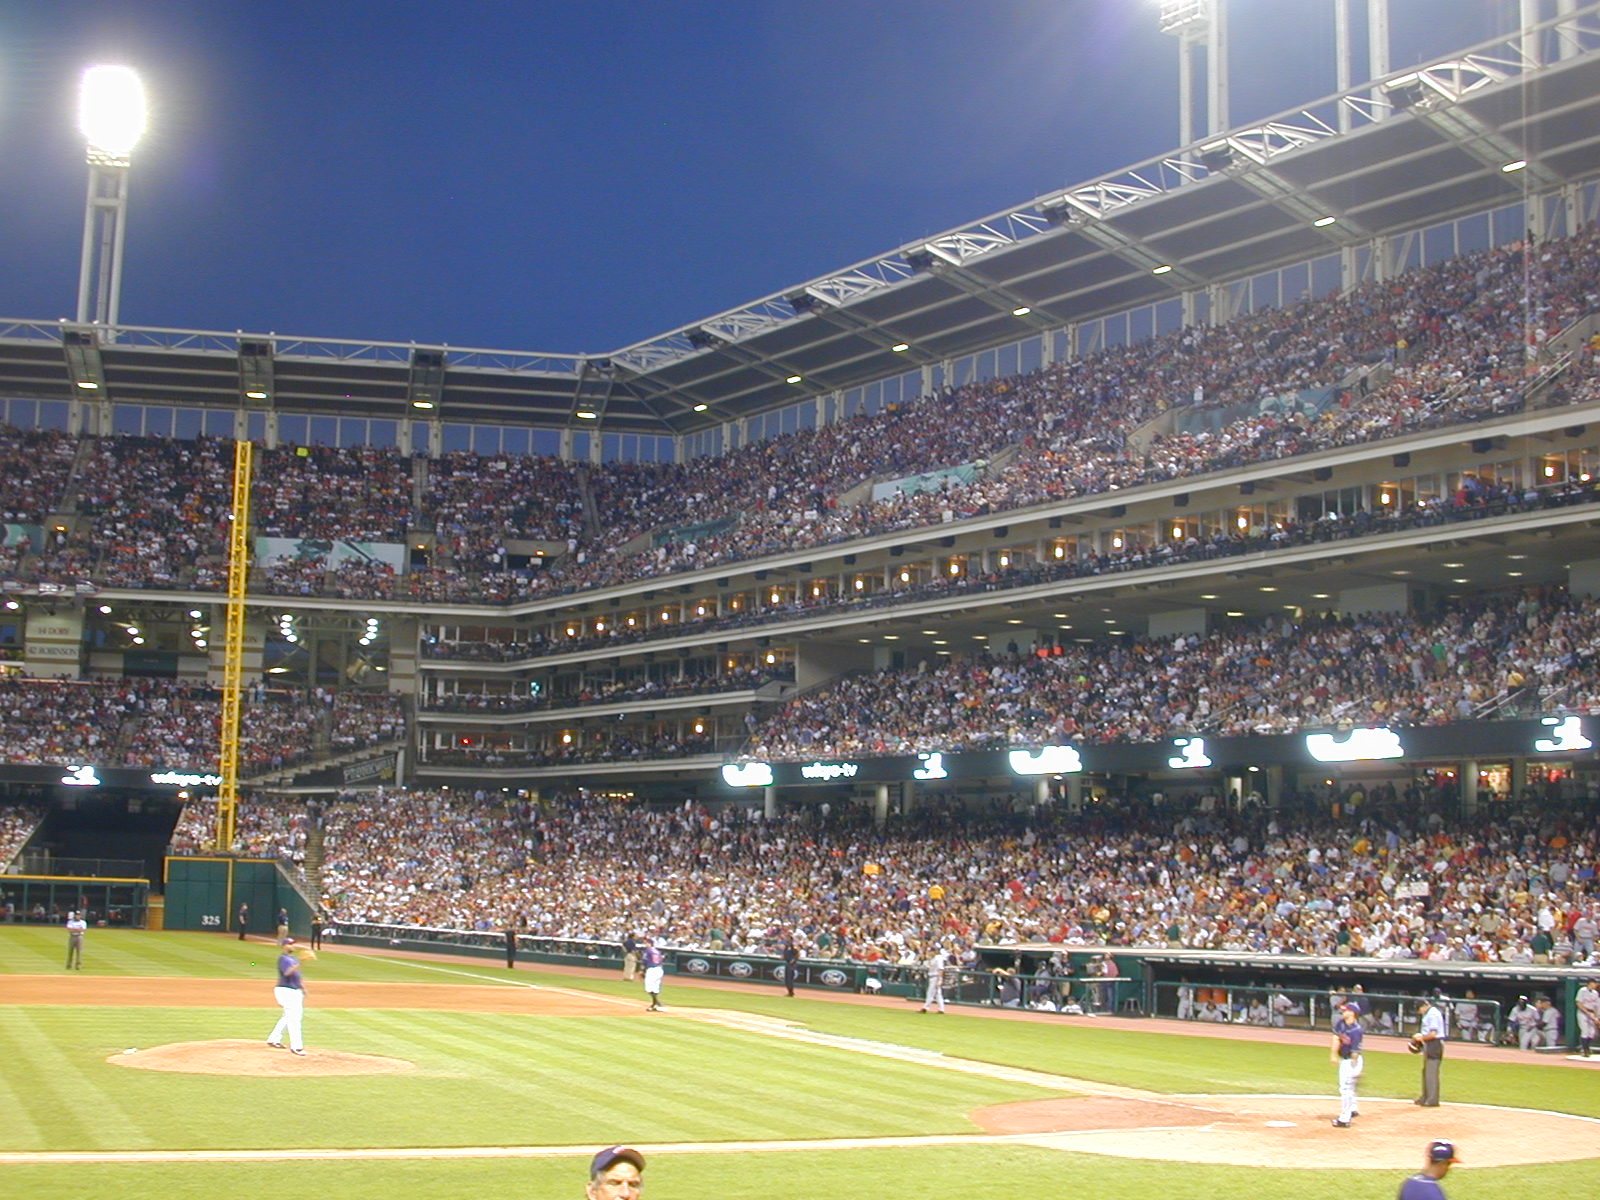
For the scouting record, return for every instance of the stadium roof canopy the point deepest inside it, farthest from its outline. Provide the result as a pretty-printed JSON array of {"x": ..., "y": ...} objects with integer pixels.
[{"x": 1420, "y": 148}]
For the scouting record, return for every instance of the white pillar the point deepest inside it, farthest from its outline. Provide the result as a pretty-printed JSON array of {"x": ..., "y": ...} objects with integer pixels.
[
  {"x": 1343, "y": 75},
  {"x": 1217, "y": 69},
  {"x": 1377, "y": 43}
]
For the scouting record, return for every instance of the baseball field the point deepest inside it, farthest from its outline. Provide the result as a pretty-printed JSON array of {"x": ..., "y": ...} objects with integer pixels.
[{"x": 147, "y": 1073}]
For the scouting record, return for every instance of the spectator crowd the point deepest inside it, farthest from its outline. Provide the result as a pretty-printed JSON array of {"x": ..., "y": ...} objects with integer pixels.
[
  {"x": 1391, "y": 876},
  {"x": 1447, "y": 344}
]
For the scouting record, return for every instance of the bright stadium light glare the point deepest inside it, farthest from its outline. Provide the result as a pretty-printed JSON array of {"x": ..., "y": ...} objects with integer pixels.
[{"x": 111, "y": 110}]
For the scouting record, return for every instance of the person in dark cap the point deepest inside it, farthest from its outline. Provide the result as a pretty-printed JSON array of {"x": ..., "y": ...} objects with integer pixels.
[
  {"x": 615, "y": 1171},
  {"x": 1424, "y": 1185}
]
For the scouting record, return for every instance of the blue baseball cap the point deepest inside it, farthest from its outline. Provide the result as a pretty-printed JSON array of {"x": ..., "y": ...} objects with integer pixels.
[
  {"x": 1442, "y": 1152},
  {"x": 612, "y": 1155}
]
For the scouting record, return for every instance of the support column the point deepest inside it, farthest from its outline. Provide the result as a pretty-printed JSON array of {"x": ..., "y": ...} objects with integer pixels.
[
  {"x": 1468, "y": 779},
  {"x": 1217, "y": 70},
  {"x": 1377, "y": 44},
  {"x": 1075, "y": 792},
  {"x": 1566, "y": 36},
  {"x": 1343, "y": 75},
  {"x": 880, "y": 806},
  {"x": 1528, "y": 17},
  {"x": 769, "y": 802},
  {"x": 1519, "y": 777}
]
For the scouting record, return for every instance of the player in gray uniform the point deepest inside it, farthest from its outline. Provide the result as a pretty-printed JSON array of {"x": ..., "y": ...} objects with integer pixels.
[
  {"x": 1523, "y": 1020},
  {"x": 1587, "y": 1002},
  {"x": 75, "y": 930},
  {"x": 933, "y": 1001},
  {"x": 1549, "y": 1023}
]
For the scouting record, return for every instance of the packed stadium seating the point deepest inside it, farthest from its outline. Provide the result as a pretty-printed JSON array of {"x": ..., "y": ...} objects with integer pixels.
[
  {"x": 1392, "y": 877},
  {"x": 1430, "y": 348}
]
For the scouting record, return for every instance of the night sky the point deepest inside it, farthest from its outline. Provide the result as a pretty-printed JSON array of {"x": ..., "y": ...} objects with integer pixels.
[{"x": 579, "y": 175}]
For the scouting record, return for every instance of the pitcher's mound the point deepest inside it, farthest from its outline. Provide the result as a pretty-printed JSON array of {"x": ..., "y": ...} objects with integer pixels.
[{"x": 233, "y": 1056}]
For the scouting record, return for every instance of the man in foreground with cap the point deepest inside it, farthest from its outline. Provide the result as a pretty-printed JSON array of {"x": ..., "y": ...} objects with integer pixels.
[
  {"x": 1424, "y": 1185},
  {"x": 615, "y": 1171}
]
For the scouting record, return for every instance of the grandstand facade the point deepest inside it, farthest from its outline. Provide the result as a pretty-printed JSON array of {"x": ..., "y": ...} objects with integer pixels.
[{"x": 1163, "y": 419}]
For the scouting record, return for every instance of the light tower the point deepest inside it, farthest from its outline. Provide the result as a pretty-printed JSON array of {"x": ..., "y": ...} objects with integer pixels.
[
  {"x": 111, "y": 116},
  {"x": 1197, "y": 23}
]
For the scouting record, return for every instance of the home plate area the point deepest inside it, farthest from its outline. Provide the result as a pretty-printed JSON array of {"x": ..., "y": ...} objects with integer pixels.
[{"x": 1292, "y": 1131}]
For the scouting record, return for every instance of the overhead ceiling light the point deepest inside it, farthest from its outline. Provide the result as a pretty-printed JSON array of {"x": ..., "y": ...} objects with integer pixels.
[
  {"x": 701, "y": 407},
  {"x": 1163, "y": 269},
  {"x": 901, "y": 347},
  {"x": 792, "y": 379},
  {"x": 1021, "y": 312},
  {"x": 88, "y": 385},
  {"x": 584, "y": 414},
  {"x": 1514, "y": 166},
  {"x": 260, "y": 395},
  {"x": 1323, "y": 222},
  {"x": 422, "y": 404}
]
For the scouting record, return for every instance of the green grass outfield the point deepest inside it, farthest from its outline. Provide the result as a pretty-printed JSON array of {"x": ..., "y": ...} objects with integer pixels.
[{"x": 527, "y": 1080}]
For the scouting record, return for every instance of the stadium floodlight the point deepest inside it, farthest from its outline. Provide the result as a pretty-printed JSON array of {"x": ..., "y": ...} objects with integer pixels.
[{"x": 111, "y": 114}]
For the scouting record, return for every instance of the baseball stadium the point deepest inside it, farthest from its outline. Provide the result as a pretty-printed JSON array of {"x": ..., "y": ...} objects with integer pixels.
[{"x": 1102, "y": 699}]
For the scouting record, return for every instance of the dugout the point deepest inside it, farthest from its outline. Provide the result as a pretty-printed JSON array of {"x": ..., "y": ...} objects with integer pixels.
[{"x": 47, "y": 899}]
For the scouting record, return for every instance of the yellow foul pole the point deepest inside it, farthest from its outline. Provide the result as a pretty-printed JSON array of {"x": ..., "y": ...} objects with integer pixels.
[{"x": 233, "y": 646}]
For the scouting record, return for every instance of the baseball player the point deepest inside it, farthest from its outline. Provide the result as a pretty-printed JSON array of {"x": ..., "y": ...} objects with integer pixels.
[
  {"x": 1346, "y": 1052},
  {"x": 1523, "y": 1019},
  {"x": 1424, "y": 1185},
  {"x": 290, "y": 993},
  {"x": 655, "y": 969},
  {"x": 75, "y": 930},
  {"x": 615, "y": 1171},
  {"x": 933, "y": 1001},
  {"x": 1549, "y": 1023},
  {"x": 1468, "y": 1019},
  {"x": 1587, "y": 1003}
]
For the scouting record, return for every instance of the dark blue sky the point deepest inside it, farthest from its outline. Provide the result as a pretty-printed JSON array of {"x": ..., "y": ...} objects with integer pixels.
[{"x": 577, "y": 175}]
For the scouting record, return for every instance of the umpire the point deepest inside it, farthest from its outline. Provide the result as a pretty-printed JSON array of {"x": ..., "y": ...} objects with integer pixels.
[{"x": 1429, "y": 1040}]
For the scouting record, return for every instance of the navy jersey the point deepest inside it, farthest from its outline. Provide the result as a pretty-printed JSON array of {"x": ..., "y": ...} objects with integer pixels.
[
  {"x": 1421, "y": 1187},
  {"x": 1350, "y": 1037}
]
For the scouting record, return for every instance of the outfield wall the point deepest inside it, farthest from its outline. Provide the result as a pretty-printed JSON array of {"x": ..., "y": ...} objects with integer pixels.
[{"x": 205, "y": 894}]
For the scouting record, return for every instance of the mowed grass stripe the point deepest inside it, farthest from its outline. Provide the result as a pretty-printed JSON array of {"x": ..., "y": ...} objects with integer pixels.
[{"x": 64, "y": 1095}]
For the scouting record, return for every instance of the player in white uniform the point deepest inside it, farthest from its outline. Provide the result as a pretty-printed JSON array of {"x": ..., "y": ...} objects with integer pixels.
[
  {"x": 1346, "y": 1051},
  {"x": 290, "y": 993}
]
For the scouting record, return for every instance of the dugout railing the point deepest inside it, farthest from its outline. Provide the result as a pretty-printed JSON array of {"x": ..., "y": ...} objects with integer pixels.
[{"x": 1224, "y": 988}]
